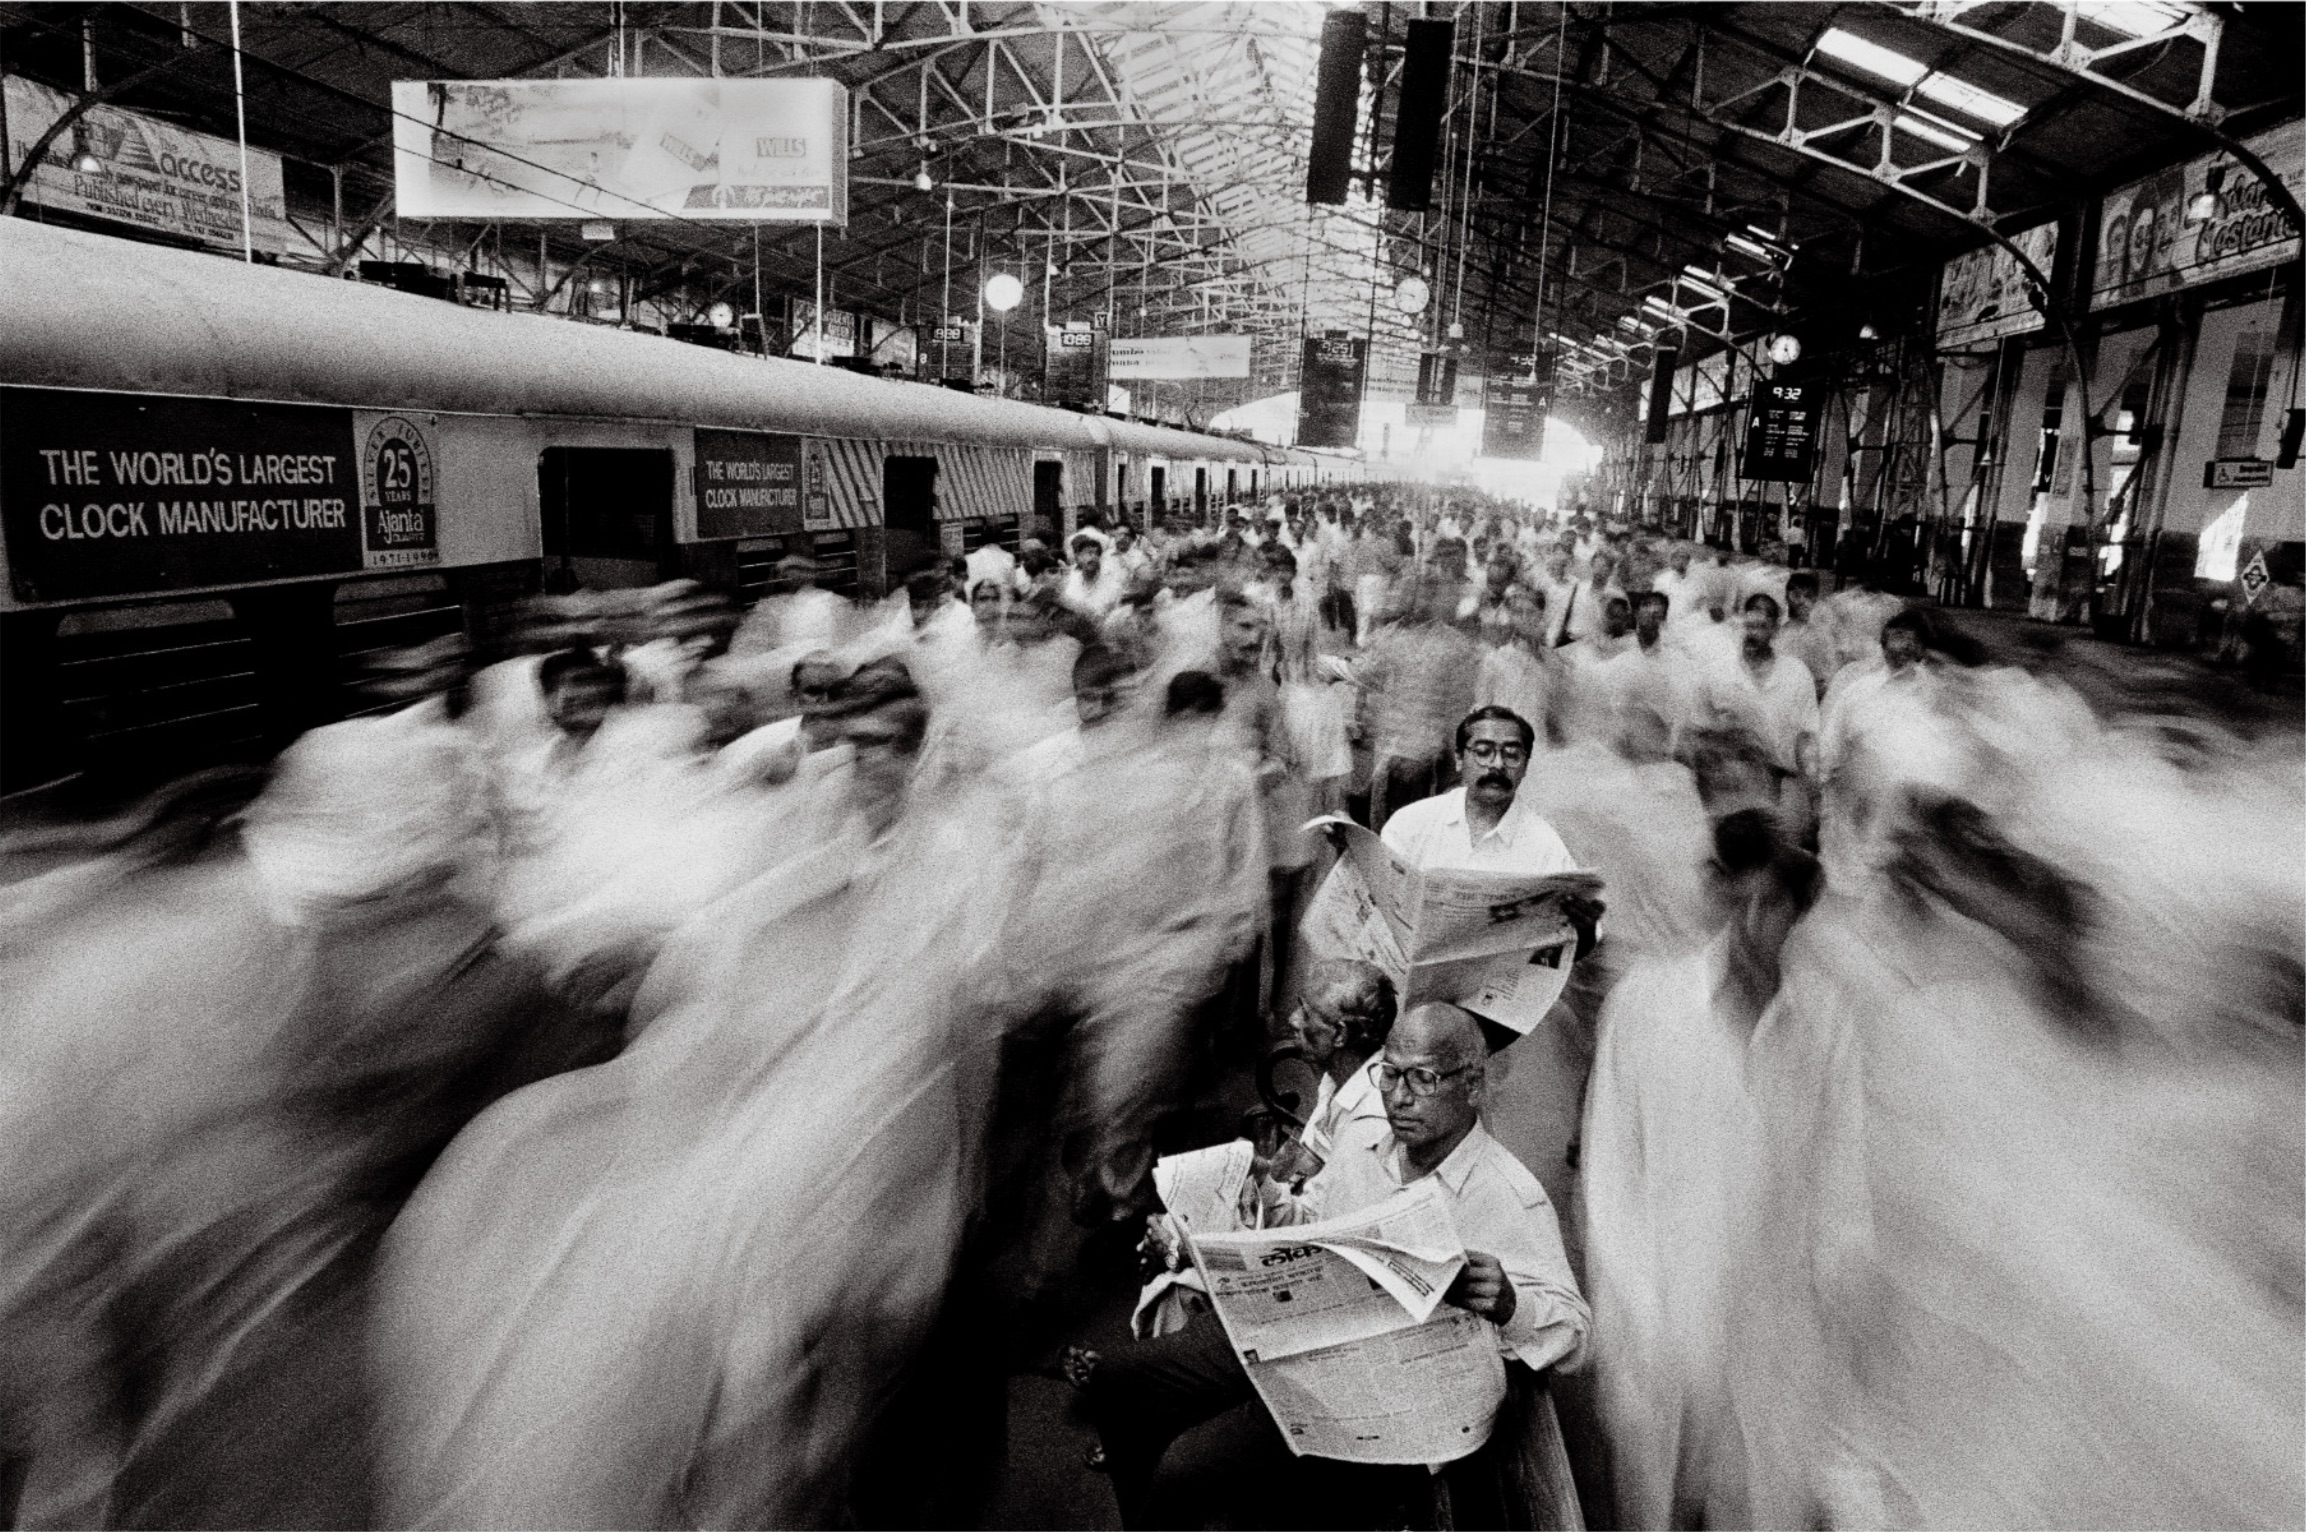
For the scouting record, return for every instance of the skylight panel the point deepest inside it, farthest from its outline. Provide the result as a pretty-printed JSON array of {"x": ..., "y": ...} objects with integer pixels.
[
  {"x": 1872, "y": 57},
  {"x": 1960, "y": 95},
  {"x": 2135, "y": 18},
  {"x": 1933, "y": 130}
]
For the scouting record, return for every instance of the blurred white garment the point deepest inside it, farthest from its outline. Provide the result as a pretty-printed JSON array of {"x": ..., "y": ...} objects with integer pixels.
[
  {"x": 1513, "y": 676},
  {"x": 1776, "y": 702}
]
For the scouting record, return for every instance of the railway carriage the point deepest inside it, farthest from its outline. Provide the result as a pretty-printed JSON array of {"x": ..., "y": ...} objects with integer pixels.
[{"x": 222, "y": 484}]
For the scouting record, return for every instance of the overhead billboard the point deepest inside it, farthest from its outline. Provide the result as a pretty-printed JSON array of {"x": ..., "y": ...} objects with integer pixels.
[
  {"x": 1516, "y": 396},
  {"x": 2198, "y": 222},
  {"x": 1982, "y": 293},
  {"x": 132, "y": 169},
  {"x": 737, "y": 151},
  {"x": 1180, "y": 356}
]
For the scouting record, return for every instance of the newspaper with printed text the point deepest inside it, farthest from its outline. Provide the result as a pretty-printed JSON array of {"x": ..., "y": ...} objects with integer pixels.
[
  {"x": 1340, "y": 1324},
  {"x": 1496, "y": 943}
]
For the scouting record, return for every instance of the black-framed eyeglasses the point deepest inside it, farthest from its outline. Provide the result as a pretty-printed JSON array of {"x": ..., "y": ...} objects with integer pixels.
[
  {"x": 1422, "y": 1081},
  {"x": 1510, "y": 751}
]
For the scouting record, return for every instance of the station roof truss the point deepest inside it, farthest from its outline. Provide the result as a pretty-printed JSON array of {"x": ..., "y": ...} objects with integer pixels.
[{"x": 1607, "y": 173}]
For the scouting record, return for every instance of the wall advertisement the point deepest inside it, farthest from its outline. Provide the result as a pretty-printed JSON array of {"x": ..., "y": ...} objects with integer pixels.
[
  {"x": 2197, "y": 222},
  {"x": 399, "y": 514},
  {"x": 135, "y": 170},
  {"x": 111, "y": 494},
  {"x": 742, "y": 151},
  {"x": 1982, "y": 293},
  {"x": 840, "y": 330}
]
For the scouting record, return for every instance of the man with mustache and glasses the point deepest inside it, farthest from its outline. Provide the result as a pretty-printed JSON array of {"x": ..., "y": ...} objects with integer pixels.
[{"x": 1480, "y": 825}]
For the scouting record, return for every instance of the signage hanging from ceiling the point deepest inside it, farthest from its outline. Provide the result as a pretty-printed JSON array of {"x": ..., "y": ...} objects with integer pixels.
[
  {"x": 1782, "y": 433},
  {"x": 1516, "y": 395},
  {"x": 1329, "y": 391},
  {"x": 2197, "y": 222},
  {"x": 127, "y": 168},
  {"x": 738, "y": 151},
  {"x": 1071, "y": 373},
  {"x": 1180, "y": 356}
]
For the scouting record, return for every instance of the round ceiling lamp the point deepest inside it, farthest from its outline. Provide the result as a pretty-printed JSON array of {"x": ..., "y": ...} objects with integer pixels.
[
  {"x": 1003, "y": 292},
  {"x": 922, "y": 180},
  {"x": 1412, "y": 295}
]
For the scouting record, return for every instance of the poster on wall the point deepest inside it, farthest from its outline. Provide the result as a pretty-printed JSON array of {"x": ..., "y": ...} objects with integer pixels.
[
  {"x": 131, "y": 169},
  {"x": 108, "y": 494},
  {"x": 399, "y": 515},
  {"x": 840, "y": 330},
  {"x": 746, "y": 151},
  {"x": 749, "y": 484},
  {"x": 1982, "y": 293},
  {"x": 2197, "y": 222},
  {"x": 1329, "y": 391},
  {"x": 895, "y": 345}
]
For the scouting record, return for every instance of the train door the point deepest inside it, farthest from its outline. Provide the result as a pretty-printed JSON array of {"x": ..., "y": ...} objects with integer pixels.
[
  {"x": 909, "y": 510},
  {"x": 1156, "y": 493},
  {"x": 608, "y": 516},
  {"x": 1200, "y": 491},
  {"x": 1232, "y": 485},
  {"x": 1049, "y": 499}
]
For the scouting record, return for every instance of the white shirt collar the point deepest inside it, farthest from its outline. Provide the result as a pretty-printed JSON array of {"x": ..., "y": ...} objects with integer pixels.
[
  {"x": 1454, "y": 1170},
  {"x": 1508, "y": 824}
]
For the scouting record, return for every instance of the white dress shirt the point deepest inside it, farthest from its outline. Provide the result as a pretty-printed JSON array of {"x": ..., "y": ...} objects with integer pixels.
[
  {"x": 1348, "y": 1115},
  {"x": 1778, "y": 704},
  {"x": 1499, "y": 1209},
  {"x": 1435, "y": 832}
]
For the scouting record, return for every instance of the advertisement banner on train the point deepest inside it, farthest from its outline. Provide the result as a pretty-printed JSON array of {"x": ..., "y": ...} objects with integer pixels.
[
  {"x": 1179, "y": 356},
  {"x": 399, "y": 514},
  {"x": 132, "y": 169},
  {"x": 749, "y": 484},
  {"x": 1329, "y": 391},
  {"x": 744, "y": 151},
  {"x": 1982, "y": 292},
  {"x": 2198, "y": 222},
  {"x": 111, "y": 494}
]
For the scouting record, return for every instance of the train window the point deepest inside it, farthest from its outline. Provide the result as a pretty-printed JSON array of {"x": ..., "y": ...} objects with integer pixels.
[{"x": 607, "y": 503}]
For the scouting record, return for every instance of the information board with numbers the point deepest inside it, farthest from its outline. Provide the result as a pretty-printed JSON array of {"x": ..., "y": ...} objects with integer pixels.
[{"x": 1782, "y": 433}]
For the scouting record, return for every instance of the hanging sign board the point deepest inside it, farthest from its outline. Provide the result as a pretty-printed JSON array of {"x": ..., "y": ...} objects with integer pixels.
[
  {"x": 1329, "y": 391},
  {"x": 1515, "y": 397},
  {"x": 139, "y": 171},
  {"x": 1070, "y": 374},
  {"x": 1982, "y": 292},
  {"x": 1179, "y": 356},
  {"x": 1428, "y": 415},
  {"x": 2197, "y": 222},
  {"x": 2255, "y": 577},
  {"x": 110, "y": 494},
  {"x": 749, "y": 484},
  {"x": 840, "y": 330},
  {"x": 740, "y": 151},
  {"x": 1781, "y": 433}
]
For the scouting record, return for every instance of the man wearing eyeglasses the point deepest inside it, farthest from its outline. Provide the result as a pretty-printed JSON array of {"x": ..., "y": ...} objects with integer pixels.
[
  {"x": 1432, "y": 1076},
  {"x": 1480, "y": 824}
]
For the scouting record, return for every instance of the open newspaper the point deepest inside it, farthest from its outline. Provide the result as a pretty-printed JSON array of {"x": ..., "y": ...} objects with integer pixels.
[
  {"x": 1340, "y": 1324},
  {"x": 1496, "y": 943}
]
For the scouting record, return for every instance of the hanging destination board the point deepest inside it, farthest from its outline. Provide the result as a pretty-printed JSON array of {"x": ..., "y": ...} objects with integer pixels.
[
  {"x": 1515, "y": 398},
  {"x": 1782, "y": 433},
  {"x": 1329, "y": 391}
]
